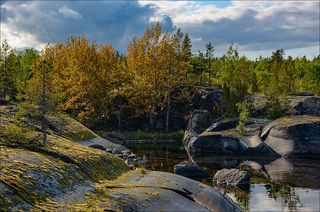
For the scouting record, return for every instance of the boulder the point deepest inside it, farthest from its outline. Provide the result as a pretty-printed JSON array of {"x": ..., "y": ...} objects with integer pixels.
[
  {"x": 209, "y": 99},
  {"x": 297, "y": 105},
  {"x": 213, "y": 144},
  {"x": 294, "y": 136},
  {"x": 231, "y": 177},
  {"x": 116, "y": 151},
  {"x": 190, "y": 170},
  {"x": 162, "y": 191},
  {"x": 200, "y": 120},
  {"x": 103, "y": 144},
  {"x": 306, "y": 105},
  {"x": 219, "y": 139}
]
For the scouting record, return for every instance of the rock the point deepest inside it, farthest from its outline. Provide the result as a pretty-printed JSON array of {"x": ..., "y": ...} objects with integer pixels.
[
  {"x": 222, "y": 125},
  {"x": 169, "y": 192},
  {"x": 254, "y": 146},
  {"x": 116, "y": 151},
  {"x": 114, "y": 137},
  {"x": 222, "y": 138},
  {"x": 304, "y": 94},
  {"x": 190, "y": 170},
  {"x": 97, "y": 146},
  {"x": 140, "y": 160},
  {"x": 129, "y": 160},
  {"x": 209, "y": 99},
  {"x": 104, "y": 143},
  {"x": 109, "y": 149},
  {"x": 253, "y": 168},
  {"x": 125, "y": 152},
  {"x": 307, "y": 105},
  {"x": 213, "y": 144},
  {"x": 233, "y": 177},
  {"x": 294, "y": 136},
  {"x": 297, "y": 105},
  {"x": 132, "y": 156},
  {"x": 199, "y": 121},
  {"x": 120, "y": 155}
]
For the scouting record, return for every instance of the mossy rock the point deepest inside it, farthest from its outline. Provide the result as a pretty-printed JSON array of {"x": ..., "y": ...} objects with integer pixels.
[{"x": 29, "y": 177}]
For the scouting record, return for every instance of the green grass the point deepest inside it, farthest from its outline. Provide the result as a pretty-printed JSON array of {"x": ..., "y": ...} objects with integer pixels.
[
  {"x": 145, "y": 135},
  {"x": 141, "y": 135}
]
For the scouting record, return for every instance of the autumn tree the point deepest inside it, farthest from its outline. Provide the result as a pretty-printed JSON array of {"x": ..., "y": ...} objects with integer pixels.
[{"x": 159, "y": 64}]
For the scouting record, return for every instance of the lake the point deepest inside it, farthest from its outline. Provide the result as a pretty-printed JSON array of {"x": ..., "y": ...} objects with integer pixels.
[{"x": 292, "y": 184}]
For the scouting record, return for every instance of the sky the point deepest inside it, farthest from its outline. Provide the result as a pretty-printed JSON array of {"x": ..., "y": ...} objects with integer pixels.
[{"x": 255, "y": 27}]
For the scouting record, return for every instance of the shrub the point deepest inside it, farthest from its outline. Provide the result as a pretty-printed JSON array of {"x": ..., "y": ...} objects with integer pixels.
[
  {"x": 14, "y": 135},
  {"x": 244, "y": 113},
  {"x": 276, "y": 106}
]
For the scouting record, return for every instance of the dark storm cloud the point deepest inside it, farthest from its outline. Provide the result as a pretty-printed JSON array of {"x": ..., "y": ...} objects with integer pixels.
[{"x": 102, "y": 21}]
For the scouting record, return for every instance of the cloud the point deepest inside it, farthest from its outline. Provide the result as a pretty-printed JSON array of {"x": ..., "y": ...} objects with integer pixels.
[
  {"x": 252, "y": 25},
  {"x": 69, "y": 13},
  {"x": 35, "y": 23},
  {"x": 255, "y": 26}
]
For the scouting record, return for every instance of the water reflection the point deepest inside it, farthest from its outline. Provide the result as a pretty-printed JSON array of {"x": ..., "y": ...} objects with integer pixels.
[{"x": 286, "y": 185}]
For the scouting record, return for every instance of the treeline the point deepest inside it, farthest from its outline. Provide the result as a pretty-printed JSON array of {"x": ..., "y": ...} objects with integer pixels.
[{"x": 95, "y": 83}]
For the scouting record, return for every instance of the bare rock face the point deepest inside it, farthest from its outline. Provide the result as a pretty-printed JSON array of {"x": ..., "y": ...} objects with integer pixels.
[
  {"x": 209, "y": 99},
  {"x": 294, "y": 136},
  {"x": 221, "y": 138},
  {"x": 231, "y": 177}
]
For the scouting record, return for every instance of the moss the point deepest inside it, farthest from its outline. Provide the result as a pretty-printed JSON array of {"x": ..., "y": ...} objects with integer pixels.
[
  {"x": 141, "y": 135},
  {"x": 231, "y": 133},
  {"x": 69, "y": 128},
  {"x": 153, "y": 193},
  {"x": 293, "y": 120},
  {"x": 32, "y": 174},
  {"x": 14, "y": 135},
  {"x": 27, "y": 174},
  {"x": 96, "y": 163}
]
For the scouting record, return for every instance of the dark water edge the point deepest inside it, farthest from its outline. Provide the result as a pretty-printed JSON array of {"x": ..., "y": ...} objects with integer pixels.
[{"x": 294, "y": 184}]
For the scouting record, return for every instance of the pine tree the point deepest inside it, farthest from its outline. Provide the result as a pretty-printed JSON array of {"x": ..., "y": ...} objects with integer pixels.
[
  {"x": 209, "y": 54},
  {"x": 9, "y": 65},
  {"x": 40, "y": 91}
]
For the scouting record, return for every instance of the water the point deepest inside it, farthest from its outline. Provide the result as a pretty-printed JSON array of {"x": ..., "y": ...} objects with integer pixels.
[{"x": 293, "y": 184}]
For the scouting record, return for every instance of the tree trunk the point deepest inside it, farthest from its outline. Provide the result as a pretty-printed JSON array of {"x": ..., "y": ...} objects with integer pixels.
[
  {"x": 44, "y": 105},
  {"x": 44, "y": 134},
  {"x": 168, "y": 114},
  {"x": 119, "y": 119}
]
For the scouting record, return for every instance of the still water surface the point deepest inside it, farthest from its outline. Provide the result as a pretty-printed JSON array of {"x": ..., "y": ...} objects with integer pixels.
[{"x": 294, "y": 185}]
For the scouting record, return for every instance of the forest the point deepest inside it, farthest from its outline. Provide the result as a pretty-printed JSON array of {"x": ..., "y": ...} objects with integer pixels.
[{"x": 104, "y": 88}]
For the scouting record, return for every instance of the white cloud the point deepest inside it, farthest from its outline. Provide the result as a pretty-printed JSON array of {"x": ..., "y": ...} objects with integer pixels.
[
  {"x": 35, "y": 23},
  {"x": 254, "y": 25},
  {"x": 69, "y": 13}
]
